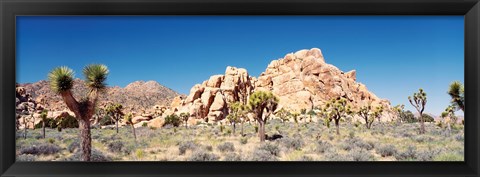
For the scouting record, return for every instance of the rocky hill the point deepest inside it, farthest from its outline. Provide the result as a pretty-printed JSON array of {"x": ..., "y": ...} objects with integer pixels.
[
  {"x": 136, "y": 96},
  {"x": 301, "y": 80}
]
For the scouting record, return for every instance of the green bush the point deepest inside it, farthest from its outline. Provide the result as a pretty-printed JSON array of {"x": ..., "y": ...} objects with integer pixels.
[
  {"x": 226, "y": 147},
  {"x": 201, "y": 155},
  {"x": 173, "y": 120},
  {"x": 387, "y": 150}
]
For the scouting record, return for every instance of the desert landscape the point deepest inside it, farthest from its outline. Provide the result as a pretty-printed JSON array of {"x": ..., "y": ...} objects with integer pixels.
[{"x": 301, "y": 108}]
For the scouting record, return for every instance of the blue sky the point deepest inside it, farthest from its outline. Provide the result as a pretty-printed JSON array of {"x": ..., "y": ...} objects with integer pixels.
[{"x": 393, "y": 55}]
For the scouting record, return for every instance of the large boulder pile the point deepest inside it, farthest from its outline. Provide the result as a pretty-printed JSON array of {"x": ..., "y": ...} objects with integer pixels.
[{"x": 301, "y": 80}]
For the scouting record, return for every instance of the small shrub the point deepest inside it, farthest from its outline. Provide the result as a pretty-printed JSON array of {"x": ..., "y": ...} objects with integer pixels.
[
  {"x": 139, "y": 154},
  {"x": 226, "y": 147},
  {"x": 449, "y": 157},
  {"x": 333, "y": 155},
  {"x": 272, "y": 148},
  {"x": 386, "y": 150},
  {"x": 459, "y": 137},
  {"x": 243, "y": 140},
  {"x": 74, "y": 146},
  {"x": 351, "y": 134},
  {"x": 26, "y": 158},
  {"x": 45, "y": 149},
  {"x": 360, "y": 154},
  {"x": 144, "y": 124},
  {"x": 409, "y": 154},
  {"x": 172, "y": 120},
  {"x": 96, "y": 156},
  {"x": 116, "y": 146},
  {"x": 209, "y": 148},
  {"x": 262, "y": 155},
  {"x": 51, "y": 141},
  {"x": 305, "y": 158},
  {"x": 323, "y": 146},
  {"x": 427, "y": 155},
  {"x": 232, "y": 157},
  {"x": 186, "y": 145},
  {"x": 293, "y": 143},
  {"x": 200, "y": 155}
]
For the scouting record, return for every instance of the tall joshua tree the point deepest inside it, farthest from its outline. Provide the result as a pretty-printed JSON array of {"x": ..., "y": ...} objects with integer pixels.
[
  {"x": 61, "y": 82},
  {"x": 365, "y": 113},
  {"x": 262, "y": 104},
  {"x": 447, "y": 115},
  {"x": 128, "y": 119},
  {"x": 337, "y": 109},
  {"x": 419, "y": 100},
  {"x": 283, "y": 114},
  {"x": 399, "y": 109},
  {"x": 457, "y": 92},
  {"x": 185, "y": 116},
  {"x": 115, "y": 112},
  {"x": 239, "y": 113},
  {"x": 43, "y": 116}
]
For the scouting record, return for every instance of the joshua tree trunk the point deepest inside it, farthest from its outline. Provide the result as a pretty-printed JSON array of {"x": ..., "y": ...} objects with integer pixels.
[
  {"x": 43, "y": 129},
  {"x": 86, "y": 139},
  {"x": 337, "y": 121},
  {"x": 261, "y": 131},
  {"x": 134, "y": 135},
  {"x": 25, "y": 128},
  {"x": 186, "y": 124},
  {"x": 449, "y": 129},
  {"x": 422, "y": 124},
  {"x": 241, "y": 129},
  {"x": 116, "y": 122},
  {"x": 233, "y": 125}
]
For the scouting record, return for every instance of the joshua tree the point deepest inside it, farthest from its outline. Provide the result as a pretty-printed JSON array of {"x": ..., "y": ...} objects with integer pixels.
[
  {"x": 399, "y": 109},
  {"x": 295, "y": 116},
  {"x": 262, "y": 102},
  {"x": 365, "y": 112},
  {"x": 283, "y": 115},
  {"x": 61, "y": 82},
  {"x": 184, "y": 116},
  {"x": 337, "y": 109},
  {"x": 447, "y": 115},
  {"x": 419, "y": 101},
  {"x": 114, "y": 110},
  {"x": 311, "y": 113},
  {"x": 457, "y": 92},
  {"x": 238, "y": 113},
  {"x": 43, "y": 116},
  {"x": 128, "y": 120}
]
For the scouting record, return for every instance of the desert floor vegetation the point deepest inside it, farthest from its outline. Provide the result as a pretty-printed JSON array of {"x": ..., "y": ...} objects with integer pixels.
[{"x": 310, "y": 141}]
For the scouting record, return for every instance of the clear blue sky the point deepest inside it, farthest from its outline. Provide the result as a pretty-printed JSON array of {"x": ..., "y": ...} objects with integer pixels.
[{"x": 393, "y": 55}]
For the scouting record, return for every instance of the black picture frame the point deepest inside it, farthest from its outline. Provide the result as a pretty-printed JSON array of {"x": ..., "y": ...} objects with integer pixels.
[{"x": 11, "y": 8}]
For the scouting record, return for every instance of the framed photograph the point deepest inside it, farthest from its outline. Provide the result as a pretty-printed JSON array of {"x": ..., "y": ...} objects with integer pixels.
[{"x": 253, "y": 88}]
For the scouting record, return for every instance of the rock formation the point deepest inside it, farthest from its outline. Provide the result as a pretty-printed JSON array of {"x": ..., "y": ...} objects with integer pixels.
[{"x": 301, "y": 80}]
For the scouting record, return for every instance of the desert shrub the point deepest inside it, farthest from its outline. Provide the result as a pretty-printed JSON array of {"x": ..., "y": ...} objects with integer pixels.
[
  {"x": 459, "y": 137},
  {"x": 68, "y": 122},
  {"x": 209, "y": 148},
  {"x": 139, "y": 154},
  {"x": 262, "y": 155},
  {"x": 409, "y": 154},
  {"x": 333, "y": 155},
  {"x": 96, "y": 156},
  {"x": 45, "y": 149},
  {"x": 305, "y": 158},
  {"x": 351, "y": 143},
  {"x": 322, "y": 146},
  {"x": 144, "y": 124},
  {"x": 26, "y": 158},
  {"x": 72, "y": 147},
  {"x": 295, "y": 143},
  {"x": 386, "y": 150},
  {"x": 244, "y": 140},
  {"x": 423, "y": 138},
  {"x": 232, "y": 157},
  {"x": 200, "y": 155},
  {"x": 351, "y": 134},
  {"x": 226, "y": 147},
  {"x": 172, "y": 120},
  {"x": 428, "y": 154},
  {"x": 449, "y": 157},
  {"x": 272, "y": 148},
  {"x": 186, "y": 145},
  {"x": 360, "y": 154},
  {"x": 115, "y": 147}
]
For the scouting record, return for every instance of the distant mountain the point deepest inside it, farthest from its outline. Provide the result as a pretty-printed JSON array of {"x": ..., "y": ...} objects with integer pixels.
[{"x": 134, "y": 97}]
